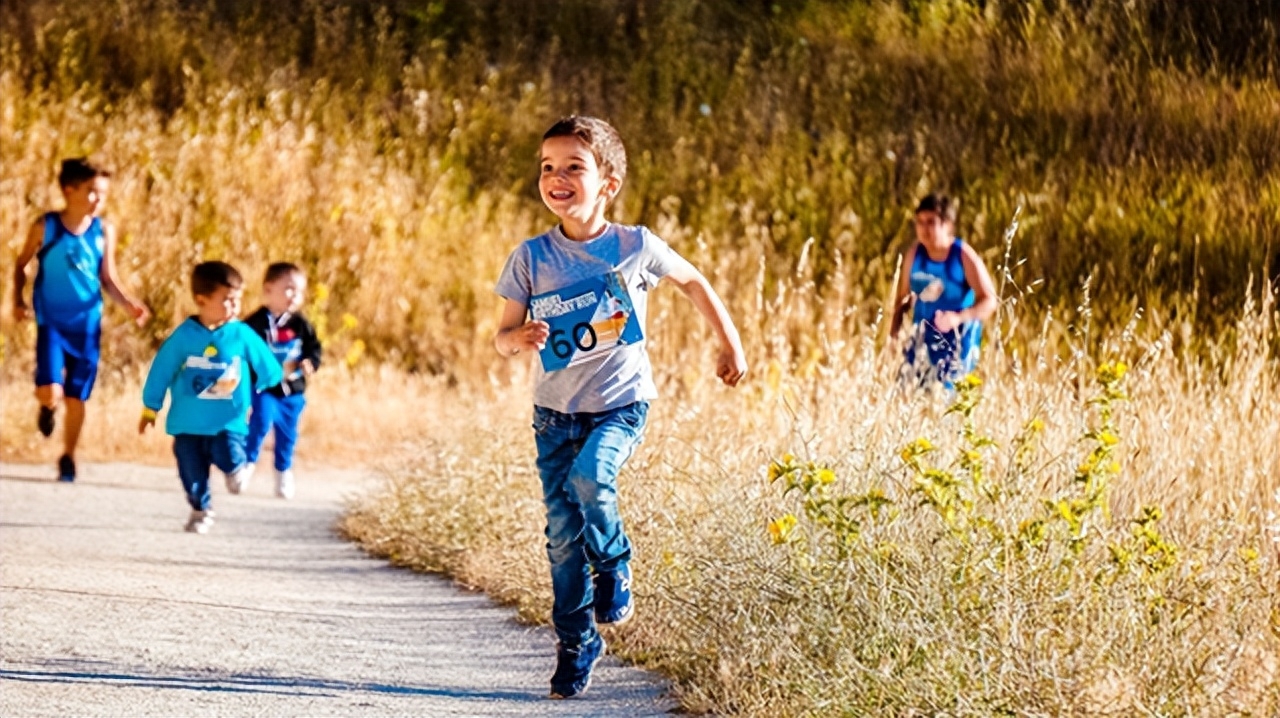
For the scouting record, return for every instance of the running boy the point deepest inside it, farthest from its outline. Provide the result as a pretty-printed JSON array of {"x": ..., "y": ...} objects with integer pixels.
[
  {"x": 204, "y": 366},
  {"x": 76, "y": 250},
  {"x": 946, "y": 286},
  {"x": 593, "y": 381},
  {"x": 294, "y": 343}
]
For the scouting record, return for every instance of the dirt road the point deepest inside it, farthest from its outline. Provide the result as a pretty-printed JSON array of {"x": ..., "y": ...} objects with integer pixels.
[{"x": 108, "y": 608}]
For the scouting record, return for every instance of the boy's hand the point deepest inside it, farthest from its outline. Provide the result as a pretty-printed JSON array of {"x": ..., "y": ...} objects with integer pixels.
[
  {"x": 307, "y": 367},
  {"x": 21, "y": 312},
  {"x": 945, "y": 321},
  {"x": 148, "y": 419},
  {"x": 530, "y": 336},
  {"x": 731, "y": 365}
]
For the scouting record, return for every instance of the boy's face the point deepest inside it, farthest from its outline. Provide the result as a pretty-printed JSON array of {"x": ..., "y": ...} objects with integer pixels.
[
  {"x": 932, "y": 229},
  {"x": 570, "y": 181},
  {"x": 88, "y": 197},
  {"x": 285, "y": 294},
  {"x": 220, "y": 307}
]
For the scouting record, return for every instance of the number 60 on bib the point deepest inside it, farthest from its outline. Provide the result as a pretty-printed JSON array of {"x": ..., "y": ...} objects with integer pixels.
[{"x": 588, "y": 320}]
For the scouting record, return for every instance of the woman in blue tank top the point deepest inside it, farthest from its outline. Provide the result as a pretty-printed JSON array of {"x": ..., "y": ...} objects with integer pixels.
[{"x": 949, "y": 291}]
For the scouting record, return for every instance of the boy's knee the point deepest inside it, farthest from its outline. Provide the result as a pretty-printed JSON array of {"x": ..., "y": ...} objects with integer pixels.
[
  {"x": 49, "y": 394},
  {"x": 593, "y": 492}
]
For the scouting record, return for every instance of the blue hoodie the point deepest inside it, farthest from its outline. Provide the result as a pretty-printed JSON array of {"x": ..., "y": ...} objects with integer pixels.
[{"x": 206, "y": 372}]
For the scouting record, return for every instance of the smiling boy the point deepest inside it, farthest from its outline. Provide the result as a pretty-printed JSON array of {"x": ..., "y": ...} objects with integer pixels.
[{"x": 586, "y": 283}]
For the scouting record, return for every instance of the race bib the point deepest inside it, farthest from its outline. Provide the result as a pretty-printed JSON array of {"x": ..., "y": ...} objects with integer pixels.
[
  {"x": 588, "y": 320},
  {"x": 211, "y": 379}
]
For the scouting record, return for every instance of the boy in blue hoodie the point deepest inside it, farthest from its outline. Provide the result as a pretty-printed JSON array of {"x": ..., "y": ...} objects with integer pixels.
[{"x": 205, "y": 366}]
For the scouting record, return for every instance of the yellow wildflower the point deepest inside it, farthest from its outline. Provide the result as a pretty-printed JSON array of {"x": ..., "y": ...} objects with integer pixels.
[
  {"x": 780, "y": 528},
  {"x": 825, "y": 476}
]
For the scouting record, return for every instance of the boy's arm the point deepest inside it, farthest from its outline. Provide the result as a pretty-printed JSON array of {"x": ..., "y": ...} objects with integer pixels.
[
  {"x": 267, "y": 371},
  {"x": 159, "y": 378},
  {"x": 111, "y": 283},
  {"x": 311, "y": 347},
  {"x": 731, "y": 364},
  {"x": 902, "y": 293},
  {"x": 984, "y": 293},
  {"x": 515, "y": 334},
  {"x": 35, "y": 238}
]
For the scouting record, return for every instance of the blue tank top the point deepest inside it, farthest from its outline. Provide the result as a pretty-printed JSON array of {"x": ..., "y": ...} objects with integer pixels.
[
  {"x": 942, "y": 286},
  {"x": 68, "y": 290}
]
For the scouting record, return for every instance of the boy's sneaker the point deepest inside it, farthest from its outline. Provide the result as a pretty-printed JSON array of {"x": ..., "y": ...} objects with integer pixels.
[
  {"x": 613, "y": 601},
  {"x": 238, "y": 480},
  {"x": 573, "y": 667},
  {"x": 66, "y": 469},
  {"x": 200, "y": 522},
  {"x": 44, "y": 422},
  {"x": 284, "y": 484}
]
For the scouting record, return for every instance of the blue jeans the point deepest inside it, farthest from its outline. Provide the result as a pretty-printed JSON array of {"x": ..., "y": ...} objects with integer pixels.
[
  {"x": 196, "y": 452},
  {"x": 281, "y": 413},
  {"x": 579, "y": 457}
]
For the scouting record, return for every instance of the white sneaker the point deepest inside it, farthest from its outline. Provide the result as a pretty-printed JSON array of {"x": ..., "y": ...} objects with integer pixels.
[
  {"x": 238, "y": 480},
  {"x": 200, "y": 522},
  {"x": 284, "y": 484}
]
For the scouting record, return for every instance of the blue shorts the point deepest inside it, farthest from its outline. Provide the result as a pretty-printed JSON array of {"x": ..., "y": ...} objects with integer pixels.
[{"x": 67, "y": 358}]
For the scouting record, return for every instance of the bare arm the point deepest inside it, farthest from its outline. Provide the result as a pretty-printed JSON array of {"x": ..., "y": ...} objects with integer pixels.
[
  {"x": 35, "y": 238},
  {"x": 111, "y": 282},
  {"x": 902, "y": 294},
  {"x": 515, "y": 334},
  {"x": 731, "y": 364},
  {"x": 984, "y": 294}
]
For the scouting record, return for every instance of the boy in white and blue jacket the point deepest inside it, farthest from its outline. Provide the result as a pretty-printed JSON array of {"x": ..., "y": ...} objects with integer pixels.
[{"x": 206, "y": 366}]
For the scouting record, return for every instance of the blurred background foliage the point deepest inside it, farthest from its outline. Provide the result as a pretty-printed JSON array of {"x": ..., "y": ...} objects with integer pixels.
[{"x": 1142, "y": 140}]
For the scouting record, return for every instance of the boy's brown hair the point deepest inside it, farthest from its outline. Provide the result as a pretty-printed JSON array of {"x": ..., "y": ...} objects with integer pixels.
[
  {"x": 76, "y": 170},
  {"x": 940, "y": 204},
  {"x": 604, "y": 141},
  {"x": 208, "y": 276},
  {"x": 279, "y": 270}
]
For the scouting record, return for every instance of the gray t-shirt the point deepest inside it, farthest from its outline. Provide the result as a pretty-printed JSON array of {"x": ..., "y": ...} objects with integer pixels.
[{"x": 550, "y": 262}]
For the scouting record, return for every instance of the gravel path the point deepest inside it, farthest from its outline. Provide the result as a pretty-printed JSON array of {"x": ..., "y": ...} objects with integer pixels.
[{"x": 108, "y": 608}]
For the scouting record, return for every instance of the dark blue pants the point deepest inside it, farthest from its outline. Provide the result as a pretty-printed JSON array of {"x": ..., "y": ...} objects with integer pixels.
[
  {"x": 279, "y": 413},
  {"x": 195, "y": 454}
]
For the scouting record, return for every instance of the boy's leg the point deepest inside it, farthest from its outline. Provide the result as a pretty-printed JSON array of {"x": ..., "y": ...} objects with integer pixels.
[
  {"x": 49, "y": 371},
  {"x": 227, "y": 452},
  {"x": 593, "y": 477},
  {"x": 558, "y": 438},
  {"x": 194, "y": 457},
  {"x": 260, "y": 421},
  {"x": 82, "y": 355},
  {"x": 288, "y": 413}
]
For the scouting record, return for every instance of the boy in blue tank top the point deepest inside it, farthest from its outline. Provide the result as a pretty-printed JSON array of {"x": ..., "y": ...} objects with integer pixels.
[
  {"x": 76, "y": 253},
  {"x": 577, "y": 296},
  {"x": 209, "y": 366},
  {"x": 949, "y": 291}
]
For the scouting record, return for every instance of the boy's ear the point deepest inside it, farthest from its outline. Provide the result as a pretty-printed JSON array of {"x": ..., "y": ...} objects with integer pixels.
[{"x": 613, "y": 186}]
